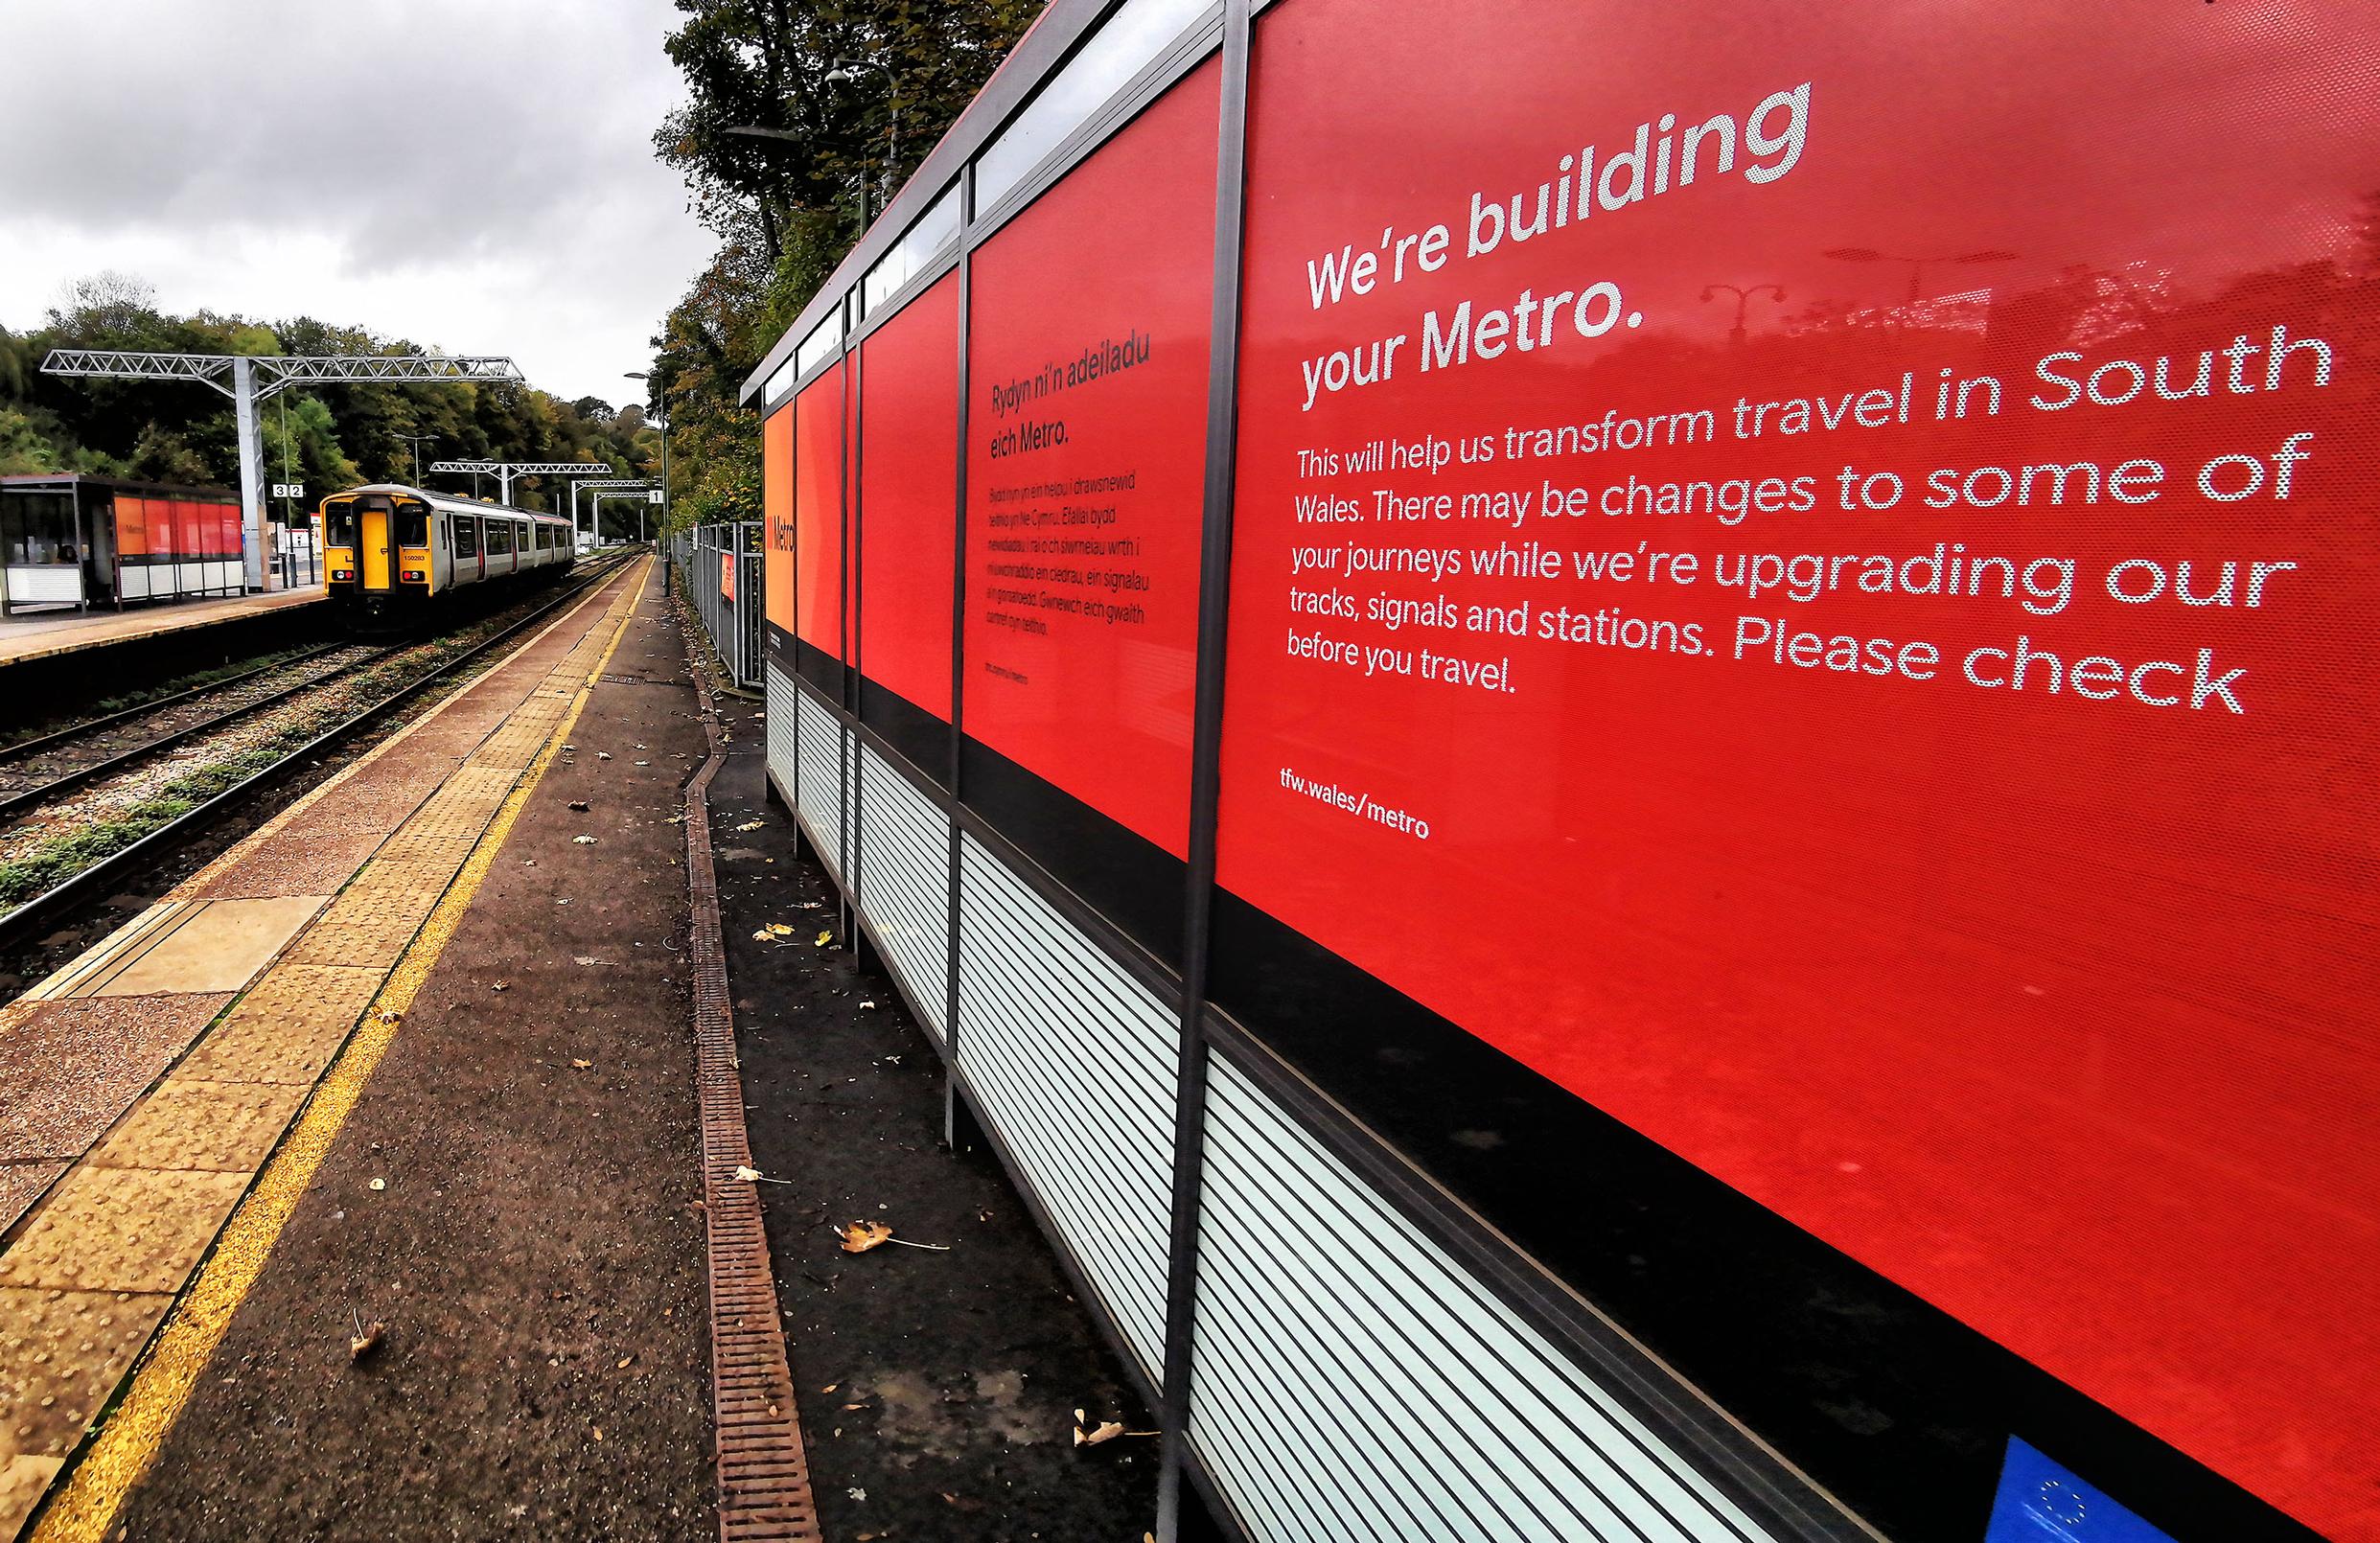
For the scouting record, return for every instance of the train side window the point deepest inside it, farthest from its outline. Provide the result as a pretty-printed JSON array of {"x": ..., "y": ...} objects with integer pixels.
[
  {"x": 413, "y": 525},
  {"x": 499, "y": 538},
  {"x": 467, "y": 536},
  {"x": 338, "y": 524}
]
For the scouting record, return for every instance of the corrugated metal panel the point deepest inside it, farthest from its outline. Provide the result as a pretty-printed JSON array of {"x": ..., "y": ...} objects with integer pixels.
[
  {"x": 1351, "y": 1381},
  {"x": 905, "y": 881},
  {"x": 1074, "y": 1062},
  {"x": 781, "y": 693},
  {"x": 819, "y": 736}
]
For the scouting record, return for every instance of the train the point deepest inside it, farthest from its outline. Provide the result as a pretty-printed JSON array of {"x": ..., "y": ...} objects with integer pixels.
[{"x": 392, "y": 553}]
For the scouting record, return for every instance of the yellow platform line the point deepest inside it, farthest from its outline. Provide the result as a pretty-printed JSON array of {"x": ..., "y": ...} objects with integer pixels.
[{"x": 128, "y": 1442}]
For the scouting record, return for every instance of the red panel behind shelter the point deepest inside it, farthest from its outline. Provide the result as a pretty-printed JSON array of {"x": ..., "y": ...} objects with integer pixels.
[
  {"x": 1088, "y": 373},
  {"x": 909, "y": 471},
  {"x": 818, "y": 511}
]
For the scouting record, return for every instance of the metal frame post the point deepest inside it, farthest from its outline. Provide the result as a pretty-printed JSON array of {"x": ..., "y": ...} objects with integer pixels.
[
  {"x": 251, "y": 471},
  {"x": 1214, "y": 577}
]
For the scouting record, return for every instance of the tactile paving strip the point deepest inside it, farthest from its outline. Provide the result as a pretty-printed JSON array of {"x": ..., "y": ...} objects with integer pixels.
[
  {"x": 288, "y": 1028},
  {"x": 61, "y": 1353},
  {"x": 764, "y": 1473},
  {"x": 121, "y": 1229},
  {"x": 216, "y": 1127}
]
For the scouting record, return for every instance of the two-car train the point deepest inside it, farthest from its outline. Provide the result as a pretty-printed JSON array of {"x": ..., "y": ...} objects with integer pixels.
[{"x": 391, "y": 552}]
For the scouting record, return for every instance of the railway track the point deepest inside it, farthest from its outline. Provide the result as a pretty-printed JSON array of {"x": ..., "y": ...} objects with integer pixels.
[
  {"x": 37, "y": 771},
  {"x": 108, "y": 870}
]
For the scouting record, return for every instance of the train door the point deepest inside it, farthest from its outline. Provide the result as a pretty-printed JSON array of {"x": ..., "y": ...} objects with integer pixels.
[{"x": 373, "y": 537}]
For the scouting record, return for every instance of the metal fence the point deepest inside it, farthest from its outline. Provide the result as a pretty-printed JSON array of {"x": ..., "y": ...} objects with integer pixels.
[{"x": 721, "y": 568}]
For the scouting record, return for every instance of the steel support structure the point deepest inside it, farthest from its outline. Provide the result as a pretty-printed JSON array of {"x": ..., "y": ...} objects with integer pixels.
[
  {"x": 249, "y": 379},
  {"x": 505, "y": 470},
  {"x": 610, "y": 485}
]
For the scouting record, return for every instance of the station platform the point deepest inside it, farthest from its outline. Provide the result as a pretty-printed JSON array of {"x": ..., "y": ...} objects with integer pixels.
[
  {"x": 416, "y": 1065},
  {"x": 43, "y": 636},
  {"x": 187, "y": 1105}
]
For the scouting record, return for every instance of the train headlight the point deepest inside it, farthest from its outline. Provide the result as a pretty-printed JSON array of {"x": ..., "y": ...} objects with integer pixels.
[
  {"x": 343, "y": 575},
  {"x": 416, "y": 576}
]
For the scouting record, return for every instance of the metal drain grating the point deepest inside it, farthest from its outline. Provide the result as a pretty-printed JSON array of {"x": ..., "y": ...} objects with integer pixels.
[{"x": 764, "y": 1478}]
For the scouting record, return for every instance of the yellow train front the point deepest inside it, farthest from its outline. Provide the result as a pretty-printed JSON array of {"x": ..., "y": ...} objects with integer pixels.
[{"x": 392, "y": 554}]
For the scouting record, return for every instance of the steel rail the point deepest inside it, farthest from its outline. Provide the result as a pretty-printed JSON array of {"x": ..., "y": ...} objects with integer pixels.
[
  {"x": 17, "y": 803},
  {"x": 21, "y": 748},
  {"x": 45, "y": 906}
]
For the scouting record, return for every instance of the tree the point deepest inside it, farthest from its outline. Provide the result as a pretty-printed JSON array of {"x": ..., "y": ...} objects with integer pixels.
[
  {"x": 338, "y": 433},
  {"x": 787, "y": 209}
]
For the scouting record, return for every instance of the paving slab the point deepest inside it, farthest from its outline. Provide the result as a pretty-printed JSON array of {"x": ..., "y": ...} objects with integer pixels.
[
  {"x": 219, "y": 1127},
  {"x": 213, "y": 945},
  {"x": 135, "y": 1216},
  {"x": 289, "y": 1027},
  {"x": 121, "y": 1229},
  {"x": 69, "y": 1069},
  {"x": 61, "y": 1353}
]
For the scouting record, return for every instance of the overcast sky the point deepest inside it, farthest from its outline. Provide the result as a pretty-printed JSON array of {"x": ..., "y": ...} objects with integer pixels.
[{"x": 472, "y": 174}]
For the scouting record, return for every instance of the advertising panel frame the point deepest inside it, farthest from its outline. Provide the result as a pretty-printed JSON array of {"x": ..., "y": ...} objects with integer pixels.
[{"x": 1516, "y": 1276}]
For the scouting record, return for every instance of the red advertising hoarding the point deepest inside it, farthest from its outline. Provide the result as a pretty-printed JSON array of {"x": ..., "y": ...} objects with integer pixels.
[
  {"x": 1807, "y": 574},
  {"x": 818, "y": 425},
  {"x": 1087, "y": 375},
  {"x": 908, "y": 475}
]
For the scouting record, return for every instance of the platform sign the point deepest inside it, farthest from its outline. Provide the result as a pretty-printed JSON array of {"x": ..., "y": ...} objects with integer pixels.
[
  {"x": 289, "y": 490},
  {"x": 656, "y": 495}
]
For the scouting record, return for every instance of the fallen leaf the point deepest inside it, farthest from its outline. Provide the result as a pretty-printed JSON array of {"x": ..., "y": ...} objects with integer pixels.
[
  {"x": 583, "y": 841},
  {"x": 500, "y": 986},
  {"x": 830, "y": 1386},
  {"x": 1107, "y": 1430},
  {"x": 367, "y": 1341},
  {"x": 752, "y": 824},
  {"x": 861, "y": 1236},
  {"x": 579, "y": 804},
  {"x": 379, "y": 1185},
  {"x": 825, "y": 938},
  {"x": 390, "y": 1015},
  {"x": 621, "y": 1365},
  {"x": 598, "y": 1430},
  {"x": 763, "y": 935},
  {"x": 603, "y": 755},
  {"x": 581, "y": 1065},
  {"x": 847, "y": 1408},
  {"x": 569, "y": 747},
  {"x": 867, "y": 1004},
  {"x": 779, "y": 930},
  {"x": 856, "y": 1492}
]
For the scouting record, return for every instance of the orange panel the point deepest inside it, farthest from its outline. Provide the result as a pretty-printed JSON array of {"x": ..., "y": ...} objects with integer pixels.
[
  {"x": 132, "y": 527},
  {"x": 776, "y": 485}
]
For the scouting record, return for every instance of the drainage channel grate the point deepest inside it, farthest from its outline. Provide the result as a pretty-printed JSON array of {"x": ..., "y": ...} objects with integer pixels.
[{"x": 764, "y": 1478}]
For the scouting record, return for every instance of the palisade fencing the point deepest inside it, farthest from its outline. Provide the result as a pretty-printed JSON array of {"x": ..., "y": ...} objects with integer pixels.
[{"x": 721, "y": 568}]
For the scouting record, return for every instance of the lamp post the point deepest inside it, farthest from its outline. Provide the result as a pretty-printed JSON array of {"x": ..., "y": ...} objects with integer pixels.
[
  {"x": 417, "y": 441},
  {"x": 1744, "y": 302},
  {"x": 1917, "y": 264},
  {"x": 658, "y": 414},
  {"x": 847, "y": 70}
]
